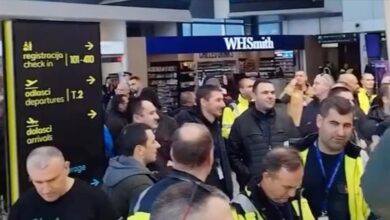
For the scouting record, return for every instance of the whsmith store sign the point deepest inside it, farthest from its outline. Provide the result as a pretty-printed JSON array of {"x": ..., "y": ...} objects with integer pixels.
[
  {"x": 248, "y": 43},
  {"x": 172, "y": 45}
]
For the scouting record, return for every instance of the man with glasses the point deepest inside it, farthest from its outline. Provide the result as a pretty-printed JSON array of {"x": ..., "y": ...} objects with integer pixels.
[
  {"x": 275, "y": 196},
  {"x": 191, "y": 201},
  {"x": 192, "y": 154}
]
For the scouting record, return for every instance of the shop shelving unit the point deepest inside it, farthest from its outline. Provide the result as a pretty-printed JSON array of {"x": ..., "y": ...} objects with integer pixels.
[
  {"x": 163, "y": 77},
  {"x": 285, "y": 60},
  {"x": 187, "y": 75},
  {"x": 217, "y": 68},
  {"x": 269, "y": 67}
]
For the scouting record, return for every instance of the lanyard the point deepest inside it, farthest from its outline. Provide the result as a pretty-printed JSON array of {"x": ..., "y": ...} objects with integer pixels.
[{"x": 329, "y": 181}]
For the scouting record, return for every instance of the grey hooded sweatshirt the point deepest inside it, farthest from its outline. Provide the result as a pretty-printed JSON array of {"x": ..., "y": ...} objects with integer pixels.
[{"x": 124, "y": 180}]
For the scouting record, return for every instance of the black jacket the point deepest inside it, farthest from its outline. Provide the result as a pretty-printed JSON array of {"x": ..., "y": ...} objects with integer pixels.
[
  {"x": 376, "y": 101},
  {"x": 166, "y": 127},
  {"x": 361, "y": 122},
  {"x": 309, "y": 116},
  {"x": 124, "y": 180},
  {"x": 115, "y": 122},
  {"x": 377, "y": 122},
  {"x": 107, "y": 95},
  {"x": 220, "y": 154},
  {"x": 178, "y": 110},
  {"x": 377, "y": 114},
  {"x": 253, "y": 134}
]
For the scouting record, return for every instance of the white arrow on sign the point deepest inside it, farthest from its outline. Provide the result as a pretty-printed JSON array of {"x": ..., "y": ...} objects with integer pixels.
[
  {"x": 95, "y": 182},
  {"x": 90, "y": 80},
  {"x": 92, "y": 114},
  {"x": 89, "y": 45}
]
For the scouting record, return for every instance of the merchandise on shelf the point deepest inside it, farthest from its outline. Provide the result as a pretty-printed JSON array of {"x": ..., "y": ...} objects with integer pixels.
[
  {"x": 170, "y": 79},
  {"x": 282, "y": 65},
  {"x": 187, "y": 76},
  {"x": 163, "y": 76},
  {"x": 217, "y": 69}
]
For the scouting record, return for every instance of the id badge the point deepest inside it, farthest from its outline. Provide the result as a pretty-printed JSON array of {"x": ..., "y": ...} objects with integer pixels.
[{"x": 323, "y": 218}]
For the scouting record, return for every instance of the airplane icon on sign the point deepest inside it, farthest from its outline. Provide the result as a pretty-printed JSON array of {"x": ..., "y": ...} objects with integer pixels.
[
  {"x": 31, "y": 121},
  {"x": 30, "y": 82}
]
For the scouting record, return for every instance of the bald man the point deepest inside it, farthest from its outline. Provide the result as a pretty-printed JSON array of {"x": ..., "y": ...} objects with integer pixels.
[
  {"x": 187, "y": 99},
  {"x": 56, "y": 195},
  {"x": 192, "y": 153},
  {"x": 187, "y": 102},
  {"x": 352, "y": 83},
  {"x": 210, "y": 203}
]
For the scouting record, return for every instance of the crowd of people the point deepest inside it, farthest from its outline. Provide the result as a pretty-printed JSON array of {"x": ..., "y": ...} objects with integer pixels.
[{"x": 301, "y": 155}]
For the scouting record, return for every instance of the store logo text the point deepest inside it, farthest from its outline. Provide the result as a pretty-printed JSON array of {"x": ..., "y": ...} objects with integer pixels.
[{"x": 247, "y": 43}]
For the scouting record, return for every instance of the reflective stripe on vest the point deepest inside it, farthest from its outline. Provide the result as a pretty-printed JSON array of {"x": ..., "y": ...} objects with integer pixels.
[
  {"x": 141, "y": 196},
  {"x": 235, "y": 109},
  {"x": 246, "y": 205},
  {"x": 139, "y": 216}
]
